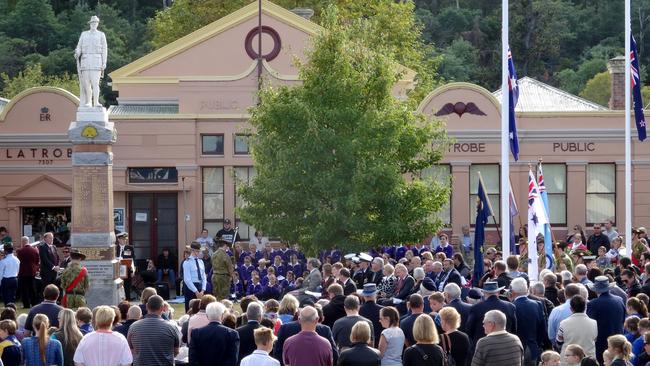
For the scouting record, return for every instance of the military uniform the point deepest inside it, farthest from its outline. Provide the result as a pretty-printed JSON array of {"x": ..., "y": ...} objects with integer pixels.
[
  {"x": 75, "y": 298},
  {"x": 222, "y": 269}
]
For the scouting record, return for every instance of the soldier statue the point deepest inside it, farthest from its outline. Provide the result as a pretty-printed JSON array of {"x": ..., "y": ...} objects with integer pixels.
[
  {"x": 74, "y": 281},
  {"x": 90, "y": 54}
]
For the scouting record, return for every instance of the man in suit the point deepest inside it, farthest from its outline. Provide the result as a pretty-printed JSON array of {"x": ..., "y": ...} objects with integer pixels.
[
  {"x": 292, "y": 328},
  {"x": 28, "y": 256},
  {"x": 335, "y": 309},
  {"x": 449, "y": 274},
  {"x": 349, "y": 287},
  {"x": 608, "y": 311},
  {"x": 452, "y": 294},
  {"x": 491, "y": 301},
  {"x": 315, "y": 278},
  {"x": 501, "y": 275},
  {"x": 370, "y": 310},
  {"x": 214, "y": 344},
  {"x": 49, "y": 260},
  {"x": 375, "y": 274},
  {"x": 246, "y": 332},
  {"x": 125, "y": 251},
  {"x": 531, "y": 327},
  {"x": 361, "y": 274}
]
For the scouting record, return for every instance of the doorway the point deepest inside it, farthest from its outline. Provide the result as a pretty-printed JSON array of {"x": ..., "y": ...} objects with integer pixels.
[{"x": 153, "y": 223}]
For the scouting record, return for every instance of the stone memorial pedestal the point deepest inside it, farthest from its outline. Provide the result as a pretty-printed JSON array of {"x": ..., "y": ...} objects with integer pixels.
[{"x": 92, "y": 136}]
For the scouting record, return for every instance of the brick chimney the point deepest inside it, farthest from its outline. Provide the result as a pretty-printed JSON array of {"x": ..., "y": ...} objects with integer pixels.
[{"x": 616, "y": 68}]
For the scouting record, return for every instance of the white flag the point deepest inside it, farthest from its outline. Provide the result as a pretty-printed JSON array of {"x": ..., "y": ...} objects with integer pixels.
[{"x": 536, "y": 220}]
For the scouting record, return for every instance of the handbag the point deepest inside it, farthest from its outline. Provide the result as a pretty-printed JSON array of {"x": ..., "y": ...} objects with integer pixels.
[{"x": 446, "y": 348}]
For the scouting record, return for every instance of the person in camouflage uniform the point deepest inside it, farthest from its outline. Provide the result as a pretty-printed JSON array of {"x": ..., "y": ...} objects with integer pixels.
[
  {"x": 74, "y": 298},
  {"x": 222, "y": 271}
]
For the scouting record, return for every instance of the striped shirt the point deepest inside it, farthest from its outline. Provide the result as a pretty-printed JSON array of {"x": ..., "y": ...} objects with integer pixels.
[
  {"x": 153, "y": 341},
  {"x": 498, "y": 349}
]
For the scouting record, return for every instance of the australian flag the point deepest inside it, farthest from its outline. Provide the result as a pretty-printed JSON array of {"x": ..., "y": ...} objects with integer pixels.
[
  {"x": 513, "y": 97},
  {"x": 639, "y": 117},
  {"x": 483, "y": 213}
]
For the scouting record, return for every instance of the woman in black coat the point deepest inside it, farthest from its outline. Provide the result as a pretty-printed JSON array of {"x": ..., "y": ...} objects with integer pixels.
[
  {"x": 360, "y": 354},
  {"x": 425, "y": 352},
  {"x": 454, "y": 342}
]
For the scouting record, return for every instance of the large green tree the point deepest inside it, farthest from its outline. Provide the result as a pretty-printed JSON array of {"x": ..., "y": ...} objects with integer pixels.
[{"x": 333, "y": 155}]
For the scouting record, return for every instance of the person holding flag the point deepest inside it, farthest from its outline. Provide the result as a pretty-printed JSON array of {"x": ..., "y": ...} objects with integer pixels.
[
  {"x": 483, "y": 213},
  {"x": 536, "y": 220}
]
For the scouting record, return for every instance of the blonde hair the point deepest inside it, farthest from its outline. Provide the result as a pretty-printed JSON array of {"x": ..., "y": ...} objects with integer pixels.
[
  {"x": 450, "y": 316},
  {"x": 549, "y": 356},
  {"x": 263, "y": 336},
  {"x": 619, "y": 343},
  {"x": 289, "y": 305},
  {"x": 68, "y": 326},
  {"x": 104, "y": 316},
  {"x": 360, "y": 332},
  {"x": 41, "y": 324},
  {"x": 424, "y": 331}
]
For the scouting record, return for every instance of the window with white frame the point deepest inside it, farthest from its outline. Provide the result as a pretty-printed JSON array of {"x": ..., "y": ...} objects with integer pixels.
[
  {"x": 601, "y": 193},
  {"x": 243, "y": 175},
  {"x": 440, "y": 173},
  {"x": 213, "y": 198},
  {"x": 555, "y": 182}
]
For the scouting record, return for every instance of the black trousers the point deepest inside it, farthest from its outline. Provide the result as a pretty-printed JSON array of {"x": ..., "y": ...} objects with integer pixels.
[
  {"x": 9, "y": 286},
  {"x": 27, "y": 291},
  {"x": 189, "y": 295},
  {"x": 127, "y": 288}
]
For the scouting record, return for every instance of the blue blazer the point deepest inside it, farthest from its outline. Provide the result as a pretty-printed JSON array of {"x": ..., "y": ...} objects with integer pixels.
[
  {"x": 531, "y": 328},
  {"x": 214, "y": 344},
  {"x": 292, "y": 328},
  {"x": 609, "y": 312},
  {"x": 463, "y": 309},
  {"x": 475, "y": 329}
]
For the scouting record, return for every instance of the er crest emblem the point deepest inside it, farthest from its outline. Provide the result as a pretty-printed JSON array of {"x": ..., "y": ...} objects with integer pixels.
[{"x": 89, "y": 132}]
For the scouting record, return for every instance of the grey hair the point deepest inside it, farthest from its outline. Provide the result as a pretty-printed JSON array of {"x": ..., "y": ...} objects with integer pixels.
[
  {"x": 581, "y": 269},
  {"x": 254, "y": 311},
  {"x": 418, "y": 273},
  {"x": 215, "y": 311},
  {"x": 537, "y": 288},
  {"x": 497, "y": 317},
  {"x": 314, "y": 262},
  {"x": 379, "y": 261},
  {"x": 351, "y": 302},
  {"x": 519, "y": 286},
  {"x": 308, "y": 314},
  {"x": 452, "y": 290},
  {"x": 134, "y": 312}
]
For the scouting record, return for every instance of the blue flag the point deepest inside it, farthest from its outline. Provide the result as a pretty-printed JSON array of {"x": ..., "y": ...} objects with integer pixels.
[
  {"x": 483, "y": 212},
  {"x": 639, "y": 117},
  {"x": 513, "y": 97}
]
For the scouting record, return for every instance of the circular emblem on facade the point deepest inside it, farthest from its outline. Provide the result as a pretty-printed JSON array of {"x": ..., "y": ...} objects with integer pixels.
[
  {"x": 251, "y": 49},
  {"x": 89, "y": 132}
]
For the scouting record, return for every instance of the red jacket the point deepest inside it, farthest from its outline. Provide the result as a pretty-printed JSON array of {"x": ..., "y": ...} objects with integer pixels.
[{"x": 29, "y": 261}]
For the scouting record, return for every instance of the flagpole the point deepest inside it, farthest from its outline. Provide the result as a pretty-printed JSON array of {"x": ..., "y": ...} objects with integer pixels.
[
  {"x": 505, "y": 140},
  {"x": 628, "y": 147}
]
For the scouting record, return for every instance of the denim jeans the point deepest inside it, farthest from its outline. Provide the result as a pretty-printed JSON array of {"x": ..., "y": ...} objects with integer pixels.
[{"x": 170, "y": 273}]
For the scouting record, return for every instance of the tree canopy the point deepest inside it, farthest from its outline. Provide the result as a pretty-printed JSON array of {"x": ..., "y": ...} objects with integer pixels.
[{"x": 357, "y": 143}]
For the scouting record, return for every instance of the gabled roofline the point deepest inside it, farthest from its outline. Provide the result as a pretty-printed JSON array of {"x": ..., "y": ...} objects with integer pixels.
[
  {"x": 16, "y": 193},
  {"x": 202, "y": 34},
  {"x": 39, "y": 89}
]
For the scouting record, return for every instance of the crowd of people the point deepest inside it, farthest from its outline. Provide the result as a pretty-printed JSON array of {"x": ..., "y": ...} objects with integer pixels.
[{"x": 264, "y": 304}]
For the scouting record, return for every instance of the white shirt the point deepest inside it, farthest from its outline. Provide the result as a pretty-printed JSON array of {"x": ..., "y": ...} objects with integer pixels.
[
  {"x": 9, "y": 266},
  {"x": 103, "y": 348},
  {"x": 259, "y": 358}
]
